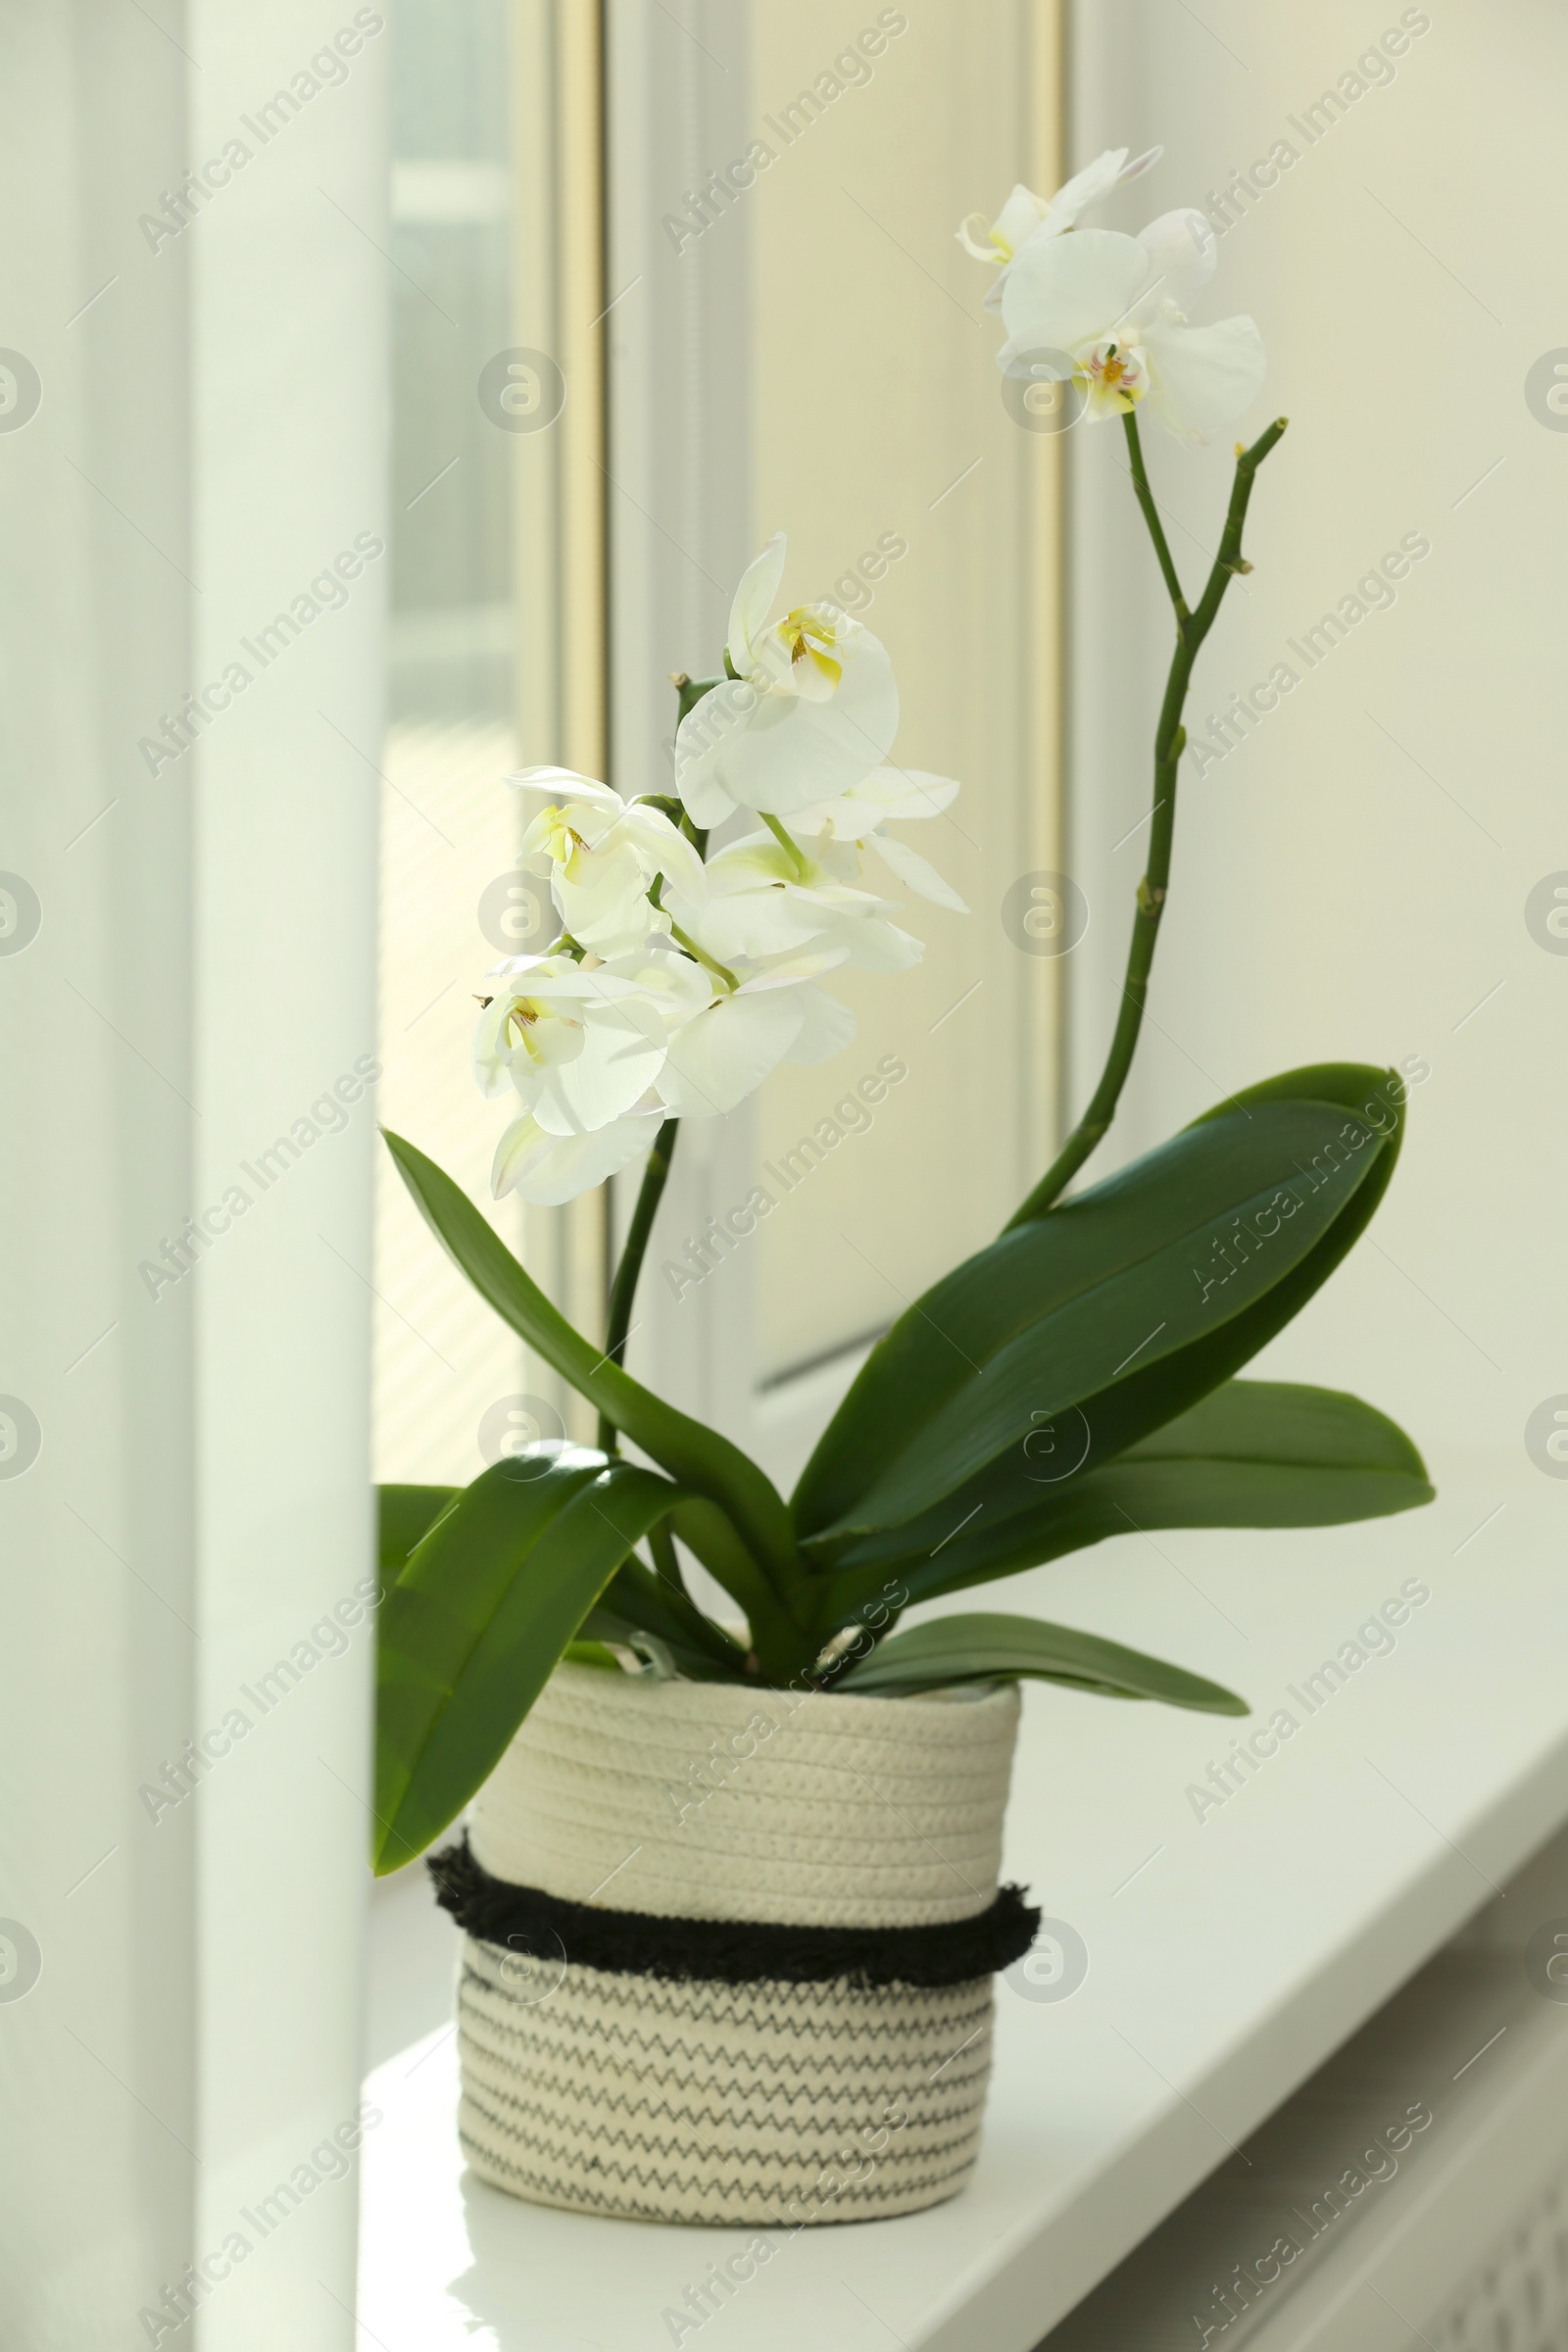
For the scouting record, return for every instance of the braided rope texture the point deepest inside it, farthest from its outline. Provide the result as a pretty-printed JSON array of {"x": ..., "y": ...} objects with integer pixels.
[
  {"x": 765, "y": 2103},
  {"x": 708, "y": 1801},
  {"x": 695, "y": 2100}
]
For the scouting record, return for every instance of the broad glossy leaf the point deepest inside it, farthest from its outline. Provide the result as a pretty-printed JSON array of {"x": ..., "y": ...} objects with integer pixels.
[
  {"x": 1123, "y": 1303},
  {"x": 1253, "y": 1453},
  {"x": 472, "y": 1628},
  {"x": 695, "y": 1454},
  {"x": 991, "y": 1647},
  {"x": 403, "y": 1516},
  {"x": 635, "y": 1601},
  {"x": 1375, "y": 1098}
]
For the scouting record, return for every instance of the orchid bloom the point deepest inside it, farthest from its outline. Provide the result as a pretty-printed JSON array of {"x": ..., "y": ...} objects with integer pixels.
[
  {"x": 713, "y": 1038},
  {"x": 576, "y": 1042},
  {"x": 550, "y": 1170},
  {"x": 728, "y": 1026},
  {"x": 860, "y": 821},
  {"x": 1026, "y": 215},
  {"x": 1109, "y": 312},
  {"x": 600, "y": 853},
  {"x": 809, "y": 710},
  {"x": 766, "y": 898},
  {"x": 677, "y": 987},
  {"x": 774, "y": 1013}
]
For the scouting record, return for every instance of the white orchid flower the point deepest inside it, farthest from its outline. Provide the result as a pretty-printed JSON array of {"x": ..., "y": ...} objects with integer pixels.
[
  {"x": 1111, "y": 313},
  {"x": 810, "y": 708},
  {"x": 766, "y": 898},
  {"x": 1025, "y": 215},
  {"x": 579, "y": 1044},
  {"x": 774, "y": 1013},
  {"x": 672, "y": 985},
  {"x": 860, "y": 820},
  {"x": 600, "y": 853},
  {"x": 551, "y": 1169}
]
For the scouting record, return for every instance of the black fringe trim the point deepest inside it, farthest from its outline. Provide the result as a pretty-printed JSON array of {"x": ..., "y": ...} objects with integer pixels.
[{"x": 729, "y": 1951}]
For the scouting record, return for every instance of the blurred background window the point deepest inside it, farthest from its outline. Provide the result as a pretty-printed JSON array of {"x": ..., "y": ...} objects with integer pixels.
[{"x": 838, "y": 388}]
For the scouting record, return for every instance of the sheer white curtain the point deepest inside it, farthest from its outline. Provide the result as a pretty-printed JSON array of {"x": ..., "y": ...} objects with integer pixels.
[{"x": 193, "y": 587}]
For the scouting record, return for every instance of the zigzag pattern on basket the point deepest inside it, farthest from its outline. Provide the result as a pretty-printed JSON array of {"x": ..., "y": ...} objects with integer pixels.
[
  {"x": 704, "y": 2102},
  {"x": 728, "y": 1950}
]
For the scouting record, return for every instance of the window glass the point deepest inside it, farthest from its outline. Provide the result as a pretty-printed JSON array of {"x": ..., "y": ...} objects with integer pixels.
[
  {"x": 912, "y": 499},
  {"x": 445, "y": 1367}
]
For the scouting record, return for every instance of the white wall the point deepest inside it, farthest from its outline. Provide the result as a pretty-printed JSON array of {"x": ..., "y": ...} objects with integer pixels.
[
  {"x": 211, "y": 437},
  {"x": 1352, "y": 881}
]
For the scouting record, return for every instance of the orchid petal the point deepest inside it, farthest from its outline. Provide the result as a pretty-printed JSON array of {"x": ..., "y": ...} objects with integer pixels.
[
  {"x": 907, "y": 793},
  {"x": 622, "y": 1052},
  {"x": 556, "y": 979},
  {"x": 981, "y": 248},
  {"x": 550, "y": 1169},
  {"x": 666, "y": 849},
  {"x": 753, "y": 600},
  {"x": 1108, "y": 171},
  {"x": 917, "y": 872},
  {"x": 602, "y": 896},
  {"x": 1018, "y": 219},
  {"x": 785, "y": 972},
  {"x": 888, "y": 796},
  {"x": 1202, "y": 377},
  {"x": 777, "y": 750},
  {"x": 564, "y": 784},
  {"x": 670, "y": 981},
  {"x": 873, "y": 945},
  {"x": 725, "y": 1052},
  {"x": 1181, "y": 249},
  {"x": 1064, "y": 291},
  {"x": 826, "y": 1029}
]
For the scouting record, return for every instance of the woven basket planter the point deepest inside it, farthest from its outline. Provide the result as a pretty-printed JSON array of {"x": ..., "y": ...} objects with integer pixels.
[{"x": 728, "y": 1952}]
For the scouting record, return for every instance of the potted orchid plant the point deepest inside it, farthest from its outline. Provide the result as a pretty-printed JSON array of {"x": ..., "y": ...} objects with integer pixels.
[{"x": 729, "y": 1880}]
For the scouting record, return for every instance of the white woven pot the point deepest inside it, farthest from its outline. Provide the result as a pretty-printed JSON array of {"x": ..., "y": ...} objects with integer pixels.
[{"x": 695, "y": 2096}]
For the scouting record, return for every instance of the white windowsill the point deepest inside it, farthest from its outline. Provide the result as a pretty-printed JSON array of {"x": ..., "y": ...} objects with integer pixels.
[{"x": 1229, "y": 1957}]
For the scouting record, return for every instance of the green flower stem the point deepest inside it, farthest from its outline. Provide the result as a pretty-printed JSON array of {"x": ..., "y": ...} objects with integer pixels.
[
  {"x": 765, "y": 1593},
  {"x": 791, "y": 848},
  {"x": 1171, "y": 738},
  {"x": 1150, "y": 514},
  {"x": 720, "y": 971},
  {"x": 624, "y": 1289}
]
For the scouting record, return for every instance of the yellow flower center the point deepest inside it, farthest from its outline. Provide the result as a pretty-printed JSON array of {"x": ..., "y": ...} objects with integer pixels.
[
  {"x": 1114, "y": 375},
  {"x": 809, "y": 637}
]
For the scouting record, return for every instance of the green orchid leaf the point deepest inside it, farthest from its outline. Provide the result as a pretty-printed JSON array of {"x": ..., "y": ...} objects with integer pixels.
[
  {"x": 991, "y": 1647},
  {"x": 590, "y": 1653},
  {"x": 696, "y": 1456},
  {"x": 1375, "y": 1100},
  {"x": 1253, "y": 1453},
  {"x": 636, "y": 1601},
  {"x": 472, "y": 1628},
  {"x": 403, "y": 1516},
  {"x": 1121, "y": 1308}
]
